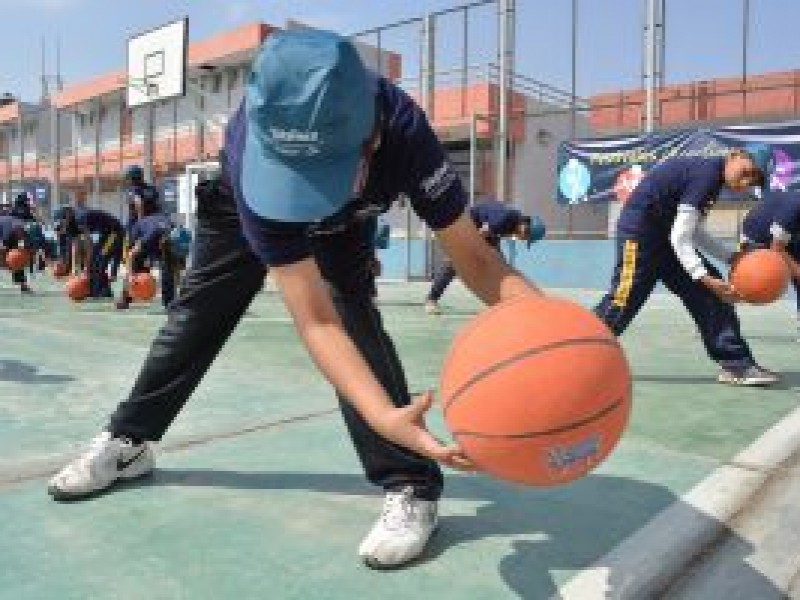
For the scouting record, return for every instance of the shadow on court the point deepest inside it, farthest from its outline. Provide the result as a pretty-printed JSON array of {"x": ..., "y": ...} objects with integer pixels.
[
  {"x": 16, "y": 371},
  {"x": 566, "y": 528}
]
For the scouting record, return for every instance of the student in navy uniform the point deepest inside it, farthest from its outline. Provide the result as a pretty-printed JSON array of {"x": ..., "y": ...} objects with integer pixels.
[
  {"x": 137, "y": 187},
  {"x": 307, "y": 161},
  {"x": 103, "y": 235},
  {"x": 495, "y": 220},
  {"x": 659, "y": 231},
  {"x": 775, "y": 223},
  {"x": 150, "y": 245},
  {"x": 23, "y": 210},
  {"x": 13, "y": 235}
]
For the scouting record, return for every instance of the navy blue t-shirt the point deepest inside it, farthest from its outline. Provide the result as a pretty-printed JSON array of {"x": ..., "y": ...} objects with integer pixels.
[
  {"x": 653, "y": 205},
  {"x": 12, "y": 230},
  {"x": 149, "y": 232},
  {"x": 91, "y": 220},
  {"x": 499, "y": 218},
  {"x": 777, "y": 208},
  {"x": 409, "y": 161}
]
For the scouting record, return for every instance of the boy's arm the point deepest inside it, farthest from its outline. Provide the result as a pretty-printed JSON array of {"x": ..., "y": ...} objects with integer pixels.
[
  {"x": 682, "y": 238},
  {"x": 309, "y": 302}
]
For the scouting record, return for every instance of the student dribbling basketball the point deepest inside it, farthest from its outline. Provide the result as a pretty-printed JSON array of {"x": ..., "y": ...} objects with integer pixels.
[
  {"x": 318, "y": 147},
  {"x": 659, "y": 231}
]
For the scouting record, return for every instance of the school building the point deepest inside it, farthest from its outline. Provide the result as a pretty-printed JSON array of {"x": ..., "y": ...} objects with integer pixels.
[{"x": 77, "y": 144}]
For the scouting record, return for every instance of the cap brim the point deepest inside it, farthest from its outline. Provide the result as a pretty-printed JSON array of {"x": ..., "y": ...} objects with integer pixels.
[{"x": 295, "y": 190}]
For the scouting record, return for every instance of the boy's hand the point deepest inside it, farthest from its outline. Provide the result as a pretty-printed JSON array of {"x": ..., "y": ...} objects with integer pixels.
[
  {"x": 722, "y": 289},
  {"x": 405, "y": 426},
  {"x": 735, "y": 257}
]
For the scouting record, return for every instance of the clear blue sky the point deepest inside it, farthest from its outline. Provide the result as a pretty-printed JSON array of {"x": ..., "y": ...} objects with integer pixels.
[{"x": 703, "y": 36}]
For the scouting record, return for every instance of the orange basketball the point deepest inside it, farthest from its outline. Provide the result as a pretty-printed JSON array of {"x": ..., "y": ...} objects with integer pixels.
[
  {"x": 142, "y": 287},
  {"x": 760, "y": 276},
  {"x": 17, "y": 259},
  {"x": 60, "y": 269},
  {"x": 78, "y": 287},
  {"x": 536, "y": 390}
]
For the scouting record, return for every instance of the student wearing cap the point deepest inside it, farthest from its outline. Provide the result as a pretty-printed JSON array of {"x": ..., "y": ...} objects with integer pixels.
[
  {"x": 775, "y": 223},
  {"x": 317, "y": 149},
  {"x": 660, "y": 237},
  {"x": 495, "y": 221}
]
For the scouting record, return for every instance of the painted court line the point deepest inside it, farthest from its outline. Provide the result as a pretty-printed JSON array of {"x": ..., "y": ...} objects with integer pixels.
[
  {"x": 47, "y": 467},
  {"x": 643, "y": 565}
]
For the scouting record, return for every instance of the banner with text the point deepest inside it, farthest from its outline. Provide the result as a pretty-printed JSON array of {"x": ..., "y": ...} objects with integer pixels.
[{"x": 607, "y": 169}]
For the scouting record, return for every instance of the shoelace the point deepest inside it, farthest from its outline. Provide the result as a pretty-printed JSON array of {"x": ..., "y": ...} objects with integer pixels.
[{"x": 398, "y": 509}]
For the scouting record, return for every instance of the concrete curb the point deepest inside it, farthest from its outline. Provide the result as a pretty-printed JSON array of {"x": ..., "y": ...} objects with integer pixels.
[{"x": 645, "y": 563}]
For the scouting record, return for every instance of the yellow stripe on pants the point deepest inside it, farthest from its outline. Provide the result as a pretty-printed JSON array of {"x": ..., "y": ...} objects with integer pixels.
[
  {"x": 109, "y": 244},
  {"x": 628, "y": 270}
]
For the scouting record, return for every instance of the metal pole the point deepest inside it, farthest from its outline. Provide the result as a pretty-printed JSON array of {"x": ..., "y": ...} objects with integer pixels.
[
  {"x": 573, "y": 103},
  {"x": 96, "y": 184},
  {"x": 21, "y": 146},
  {"x": 465, "y": 63},
  {"x": 429, "y": 64},
  {"x": 380, "y": 53},
  {"x": 745, "y": 36},
  {"x": 574, "y": 76},
  {"x": 473, "y": 157},
  {"x": 650, "y": 55},
  {"x": 662, "y": 46},
  {"x": 506, "y": 44},
  {"x": 429, "y": 82},
  {"x": 148, "y": 141},
  {"x": 55, "y": 156}
]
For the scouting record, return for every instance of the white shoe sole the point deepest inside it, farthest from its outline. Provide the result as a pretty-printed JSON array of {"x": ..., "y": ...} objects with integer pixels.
[
  {"x": 764, "y": 382},
  {"x": 375, "y": 564}
]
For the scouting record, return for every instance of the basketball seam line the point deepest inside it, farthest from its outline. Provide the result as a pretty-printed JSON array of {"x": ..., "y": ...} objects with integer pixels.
[
  {"x": 527, "y": 353},
  {"x": 598, "y": 415}
]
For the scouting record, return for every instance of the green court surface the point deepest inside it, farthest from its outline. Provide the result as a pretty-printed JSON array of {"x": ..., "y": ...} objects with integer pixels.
[{"x": 258, "y": 493}]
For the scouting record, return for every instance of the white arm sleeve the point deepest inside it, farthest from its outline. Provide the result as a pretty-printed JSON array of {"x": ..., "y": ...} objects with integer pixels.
[
  {"x": 712, "y": 245},
  {"x": 779, "y": 233},
  {"x": 682, "y": 239}
]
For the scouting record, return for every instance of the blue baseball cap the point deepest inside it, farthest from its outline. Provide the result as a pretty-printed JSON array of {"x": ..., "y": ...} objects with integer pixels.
[
  {"x": 537, "y": 230},
  {"x": 310, "y": 106}
]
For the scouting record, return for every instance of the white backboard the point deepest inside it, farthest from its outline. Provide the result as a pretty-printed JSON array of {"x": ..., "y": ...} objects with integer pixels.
[{"x": 157, "y": 64}]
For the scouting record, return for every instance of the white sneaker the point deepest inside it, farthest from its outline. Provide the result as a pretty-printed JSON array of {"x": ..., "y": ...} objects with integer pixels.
[
  {"x": 401, "y": 532},
  {"x": 753, "y": 376},
  {"x": 432, "y": 308},
  {"x": 107, "y": 460}
]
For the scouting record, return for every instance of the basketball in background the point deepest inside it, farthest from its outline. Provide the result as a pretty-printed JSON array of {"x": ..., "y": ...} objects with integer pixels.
[
  {"x": 78, "y": 287},
  {"x": 17, "y": 259},
  {"x": 760, "y": 276},
  {"x": 142, "y": 287}
]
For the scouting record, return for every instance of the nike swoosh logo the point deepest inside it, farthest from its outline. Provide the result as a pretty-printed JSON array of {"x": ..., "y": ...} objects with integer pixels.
[{"x": 124, "y": 464}]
